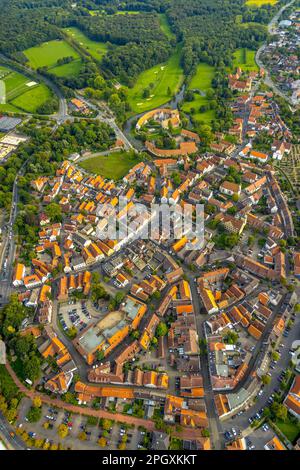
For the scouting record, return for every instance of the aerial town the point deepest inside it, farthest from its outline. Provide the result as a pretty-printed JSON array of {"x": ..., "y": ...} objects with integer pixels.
[{"x": 154, "y": 341}]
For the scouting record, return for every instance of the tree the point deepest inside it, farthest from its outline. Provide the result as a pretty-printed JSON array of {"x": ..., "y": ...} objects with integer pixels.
[
  {"x": 297, "y": 308},
  {"x": 279, "y": 411},
  {"x": 122, "y": 446},
  {"x": 82, "y": 436},
  {"x": 54, "y": 212},
  {"x": 161, "y": 329},
  {"x": 72, "y": 332},
  {"x": 99, "y": 355},
  {"x": 37, "y": 402},
  {"x": 11, "y": 414},
  {"x": 102, "y": 442},
  {"x": 275, "y": 356},
  {"x": 231, "y": 337},
  {"x": 106, "y": 424},
  {"x": 62, "y": 431},
  {"x": 32, "y": 368},
  {"x": 266, "y": 379},
  {"x": 34, "y": 414},
  {"x": 267, "y": 413}
]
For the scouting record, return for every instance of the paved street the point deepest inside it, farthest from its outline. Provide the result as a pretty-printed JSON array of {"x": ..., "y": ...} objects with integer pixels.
[{"x": 241, "y": 422}]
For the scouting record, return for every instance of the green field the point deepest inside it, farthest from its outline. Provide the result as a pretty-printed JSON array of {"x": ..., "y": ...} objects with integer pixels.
[
  {"x": 113, "y": 166},
  {"x": 201, "y": 81},
  {"x": 47, "y": 55},
  {"x": 259, "y": 3},
  {"x": 165, "y": 26},
  {"x": 96, "y": 49},
  {"x": 245, "y": 59},
  {"x": 31, "y": 100},
  {"x": 163, "y": 78},
  {"x": 128, "y": 12},
  {"x": 20, "y": 96}
]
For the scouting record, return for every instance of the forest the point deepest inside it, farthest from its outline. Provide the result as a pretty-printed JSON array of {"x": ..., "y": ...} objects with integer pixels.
[{"x": 209, "y": 30}]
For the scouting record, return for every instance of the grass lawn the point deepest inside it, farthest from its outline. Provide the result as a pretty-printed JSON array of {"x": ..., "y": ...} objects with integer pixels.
[
  {"x": 48, "y": 53},
  {"x": 165, "y": 26},
  {"x": 259, "y": 3},
  {"x": 96, "y": 49},
  {"x": 162, "y": 77},
  {"x": 67, "y": 70},
  {"x": 245, "y": 59},
  {"x": 113, "y": 166},
  {"x": 289, "y": 429},
  {"x": 20, "y": 96},
  {"x": 32, "y": 99},
  {"x": 200, "y": 81}
]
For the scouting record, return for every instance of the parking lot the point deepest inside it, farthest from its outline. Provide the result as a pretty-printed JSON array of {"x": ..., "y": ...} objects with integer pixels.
[
  {"x": 47, "y": 428},
  {"x": 259, "y": 438},
  {"x": 74, "y": 314}
]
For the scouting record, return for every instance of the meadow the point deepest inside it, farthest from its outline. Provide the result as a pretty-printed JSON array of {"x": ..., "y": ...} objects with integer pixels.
[
  {"x": 163, "y": 81},
  {"x": 22, "y": 93},
  {"x": 165, "y": 26},
  {"x": 96, "y": 49},
  {"x": 201, "y": 81},
  {"x": 245, "y": 59},
  {"x": 259, "y": 3},
  {"x": 48, "y": 53},
  {"x": 112, "y": 166}
]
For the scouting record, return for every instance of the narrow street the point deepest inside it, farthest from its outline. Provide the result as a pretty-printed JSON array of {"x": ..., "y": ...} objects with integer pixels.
[
  {"x": 267, "y": 79},
  {"x": 214, "y": 422}
]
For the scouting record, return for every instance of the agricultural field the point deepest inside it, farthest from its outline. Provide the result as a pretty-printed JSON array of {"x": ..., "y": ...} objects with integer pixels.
[
  {"x": 200, "y": 83},
  {"x": 112, "y": 166},
  {"x": 47, "y": 55},
  {"x": 163, "y": 81},
  {"x": 245, "y": 59},
  {"x": 22, "y": 94},
  {"x": 96, "y": 49},
  {"x": 290, "y": 165},
  {"x": 259, "y": 3}
]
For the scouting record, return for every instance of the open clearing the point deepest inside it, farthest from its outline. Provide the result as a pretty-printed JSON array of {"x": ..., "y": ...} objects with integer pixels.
[
  {"x": 200, "y": 83},
  {"x": 165, "y": 26},
  {"x": 164, "y": 81},
  {"x": 48, "y": 53},
  {"x": 22, "y": 94},
  {"x": 259, "y": 3},
  {"x": 112, "y": 166},
  {"x": 245, "y": 59},
  {"x": 96, "y": 49}
]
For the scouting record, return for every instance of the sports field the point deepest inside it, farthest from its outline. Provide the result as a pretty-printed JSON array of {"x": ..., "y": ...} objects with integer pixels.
[
  {"x": 48, "y": 53},
  {"x": 245, "y": 59},
  {"x": 200, "y": 83},
  {"x": 22, "y": 93},
  {"x": 259, "y": 3},
  {"x": 113, "y": 166},
  {"x": 163, "y": 82},
  {"x": 96, "y": 49}
]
